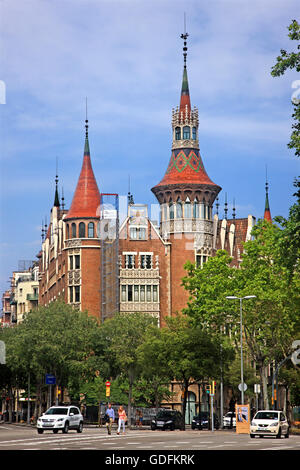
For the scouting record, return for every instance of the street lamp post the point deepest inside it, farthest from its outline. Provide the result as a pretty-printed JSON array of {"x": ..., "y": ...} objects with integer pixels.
[{"x": 231, "y": 297}]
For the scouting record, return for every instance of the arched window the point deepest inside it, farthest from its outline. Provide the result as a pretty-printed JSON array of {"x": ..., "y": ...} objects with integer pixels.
[
  {"x": 177, "y": 133},
  {"x": 82, "y": 230},
  {"x": 194, "y": 133},
  {"x": 171, "y": 210},
  {"x": 74, "y": 230},
  {"x": 91, "y": 230},
  {"x": 186, "y": 132},
  {"x": 68, "y": 232},
  {"x": 196, "y": 210},
  {"x": 187, "y": 210},
  {"x": 179, "y": 210}
]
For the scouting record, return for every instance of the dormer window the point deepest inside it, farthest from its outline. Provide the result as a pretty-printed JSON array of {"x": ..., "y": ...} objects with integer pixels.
[
  {"x": 177, "y": 133},
  {"x": 186, "y": 132}
]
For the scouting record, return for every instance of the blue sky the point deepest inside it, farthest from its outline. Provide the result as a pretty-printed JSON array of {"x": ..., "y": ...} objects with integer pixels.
[{"x": 126, "y": 57}]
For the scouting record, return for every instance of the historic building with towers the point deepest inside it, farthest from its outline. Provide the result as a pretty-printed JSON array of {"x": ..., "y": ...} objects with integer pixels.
[{"x": 83, "y": 246}]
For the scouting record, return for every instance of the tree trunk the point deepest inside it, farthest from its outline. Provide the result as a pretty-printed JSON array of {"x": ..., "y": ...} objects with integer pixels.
[{"x": 263, "y": 375}]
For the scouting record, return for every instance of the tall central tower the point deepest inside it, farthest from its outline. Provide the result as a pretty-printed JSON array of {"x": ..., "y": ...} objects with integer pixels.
[{"x": 186, "y": 193}]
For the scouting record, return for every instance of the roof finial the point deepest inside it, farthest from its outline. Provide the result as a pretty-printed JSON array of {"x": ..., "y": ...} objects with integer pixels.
[
  {"x": 86, "y": 119},
  {"x": 184, "y": 36},
  {"x": 62, "y": 199},
  {"x": 233, "y": 209},
  {"x": 226, "y": 206},
  {"x": 217, "y": 205},
  {"x": 86, "y": 144},
  {"x": 56, "y": 198}
]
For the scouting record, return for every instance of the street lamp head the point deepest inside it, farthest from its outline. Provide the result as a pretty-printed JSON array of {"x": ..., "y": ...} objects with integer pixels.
[
  {"x": 250, "y": 297},
  {"x": 230, "y": 297}
]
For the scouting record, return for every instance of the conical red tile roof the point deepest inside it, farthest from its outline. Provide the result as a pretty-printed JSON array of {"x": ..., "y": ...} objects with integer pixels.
[
  {"x": 185, "y": 166},
  {"x": 86, "y": 199}
]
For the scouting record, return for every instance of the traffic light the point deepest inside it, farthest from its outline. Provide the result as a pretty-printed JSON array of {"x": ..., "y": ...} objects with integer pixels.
[
  {"x": 208, "y": 389},
  {"x": 213, "y": 387}
]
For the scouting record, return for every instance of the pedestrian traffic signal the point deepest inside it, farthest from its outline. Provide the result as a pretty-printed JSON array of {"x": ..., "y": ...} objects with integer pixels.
[{"x": 208, "y": 389}]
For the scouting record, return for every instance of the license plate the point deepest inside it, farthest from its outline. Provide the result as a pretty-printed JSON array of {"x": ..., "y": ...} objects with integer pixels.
[
  {"x": 48, "y": 425},
  {"x": 160, "y": 423}
]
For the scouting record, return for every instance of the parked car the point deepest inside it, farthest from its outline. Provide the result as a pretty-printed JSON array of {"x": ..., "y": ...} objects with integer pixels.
[
  {"x": 60, "y": 418},
  {"x": 165, "y": 419},
  {"x": 202, "y": 421},
  {"x": 269, "y": 423},
  {"x": 227, "y": 419}
]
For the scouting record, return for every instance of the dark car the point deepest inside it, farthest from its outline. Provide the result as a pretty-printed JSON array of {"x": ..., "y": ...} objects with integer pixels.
[
  {"x": 168, "y": 419},
  {"x": 202, "y": 421}
]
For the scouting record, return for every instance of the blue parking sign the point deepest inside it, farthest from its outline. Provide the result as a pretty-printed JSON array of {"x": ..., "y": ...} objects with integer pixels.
[{"x": 50, "y": 379}]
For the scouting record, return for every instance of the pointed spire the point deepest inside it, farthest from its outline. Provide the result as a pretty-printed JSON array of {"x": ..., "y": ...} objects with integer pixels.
[
  {"x": 267, "y": 214},
  {"x": 185, "y": 102},
  {"x": 86, "y": 199},
  {"x": 56, "y": 197}
]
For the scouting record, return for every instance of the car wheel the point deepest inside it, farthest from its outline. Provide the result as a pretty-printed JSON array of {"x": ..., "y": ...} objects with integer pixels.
[
  {"x": 172, "y": 427},
  {"x": 287, "y": 435},
  {"x": 66, "y": 428},
  {"x": 278, "y": 436},
  {"x": 80, "y": 427},
  {"x": 153, "y": 427},
  {"x": 40, "y": 431},
  {"x": 55, "y": 431},
  {"x": 252, "y": 436}
]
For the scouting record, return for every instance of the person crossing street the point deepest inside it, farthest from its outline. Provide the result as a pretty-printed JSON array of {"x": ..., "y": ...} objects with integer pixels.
[{"x": 110, "y": 414}]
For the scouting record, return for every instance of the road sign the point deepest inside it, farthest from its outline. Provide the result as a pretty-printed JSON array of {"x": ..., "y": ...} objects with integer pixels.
[
  {"x": 107, "y": 383},
  {"x": 50, "y": 379},
  {"x": 240, "y": 387}
]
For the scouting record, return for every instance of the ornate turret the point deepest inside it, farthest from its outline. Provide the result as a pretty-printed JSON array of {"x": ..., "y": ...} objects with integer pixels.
[{"x": 186, "y": 191}]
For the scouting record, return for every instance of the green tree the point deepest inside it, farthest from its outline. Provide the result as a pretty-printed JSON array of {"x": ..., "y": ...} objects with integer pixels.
[
  {"x": 55, "y": 339},
  {"x": 190, "y": 353},
  {"x": 122, "y": 336},
  {"x": 287, "y": 61},
  {"x": 154, "y": 369},
  {"x": 270, "y": 320}
]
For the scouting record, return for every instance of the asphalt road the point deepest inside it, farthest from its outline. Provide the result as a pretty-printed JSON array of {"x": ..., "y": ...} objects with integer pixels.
[{"x": 16, "y": 437}]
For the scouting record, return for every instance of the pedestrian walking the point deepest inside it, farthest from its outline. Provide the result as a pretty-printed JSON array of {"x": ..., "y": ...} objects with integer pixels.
[
  {"x": 122, "y": 419},
  {"x": 110, "y": 417}
]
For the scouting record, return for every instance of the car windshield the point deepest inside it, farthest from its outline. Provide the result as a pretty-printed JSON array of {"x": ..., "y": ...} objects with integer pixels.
[
  {"x": 165, "y": 414},
  {"x": 202, "y": 415},
  {"x": 57, "y": 411},
  {"x": 266, "y": 415}
]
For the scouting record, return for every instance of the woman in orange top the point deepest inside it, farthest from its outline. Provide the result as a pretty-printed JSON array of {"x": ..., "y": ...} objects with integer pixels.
[{"x": 122, "y": 419}]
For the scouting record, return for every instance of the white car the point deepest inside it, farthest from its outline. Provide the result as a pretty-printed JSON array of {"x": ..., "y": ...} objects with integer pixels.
[
  {"x": 269, "y": 423},
  {"x": 227, "y": 419},
  {"x": 60, "y": 418}
]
